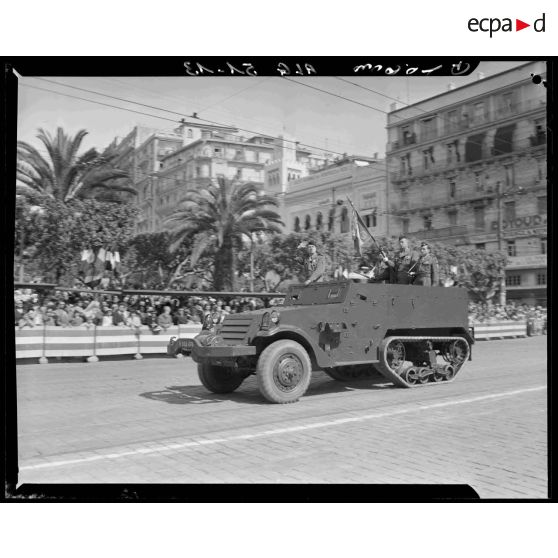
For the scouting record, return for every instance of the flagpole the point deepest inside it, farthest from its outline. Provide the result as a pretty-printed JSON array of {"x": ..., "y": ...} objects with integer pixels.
[{"x": 365, "y": 227}]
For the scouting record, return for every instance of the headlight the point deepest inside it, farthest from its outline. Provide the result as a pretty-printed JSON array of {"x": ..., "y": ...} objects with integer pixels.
[
  {"x": 274, "y": 317},
  {"x": 266, "y": 319}
]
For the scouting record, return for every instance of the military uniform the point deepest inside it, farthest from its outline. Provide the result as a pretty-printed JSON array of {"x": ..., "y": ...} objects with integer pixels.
[
  {"x": 403, "y": 261},
  {"x": 315, "y": 268},
  {"x": 382, "y": 272},
  {"x": 427, "y": 271}
]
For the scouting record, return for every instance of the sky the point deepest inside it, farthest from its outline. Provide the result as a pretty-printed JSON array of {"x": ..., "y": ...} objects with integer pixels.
[{"x": 269, "y": 105}]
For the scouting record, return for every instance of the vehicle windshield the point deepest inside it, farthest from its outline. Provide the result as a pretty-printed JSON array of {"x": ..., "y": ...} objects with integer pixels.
[{"x": 317, "y": 293}]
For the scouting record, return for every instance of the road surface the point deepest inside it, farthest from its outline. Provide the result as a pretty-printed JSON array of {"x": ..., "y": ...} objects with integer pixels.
[{"x": 152, "y": 421}]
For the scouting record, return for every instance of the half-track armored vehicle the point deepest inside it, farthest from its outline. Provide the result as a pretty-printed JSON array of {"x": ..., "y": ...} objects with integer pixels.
[{"x": 413, "y": 336}]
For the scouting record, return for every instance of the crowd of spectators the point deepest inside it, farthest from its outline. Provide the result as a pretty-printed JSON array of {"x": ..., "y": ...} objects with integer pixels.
[
  {"x": 159, "y": 312},
  {"x": 89, "y": 308},
  {"x": 486, "y": 313}
]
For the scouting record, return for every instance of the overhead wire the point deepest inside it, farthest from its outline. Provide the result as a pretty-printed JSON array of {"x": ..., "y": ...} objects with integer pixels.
[
  {"x": 199, "y": 118},
  {"x": 194, "y": 115}
]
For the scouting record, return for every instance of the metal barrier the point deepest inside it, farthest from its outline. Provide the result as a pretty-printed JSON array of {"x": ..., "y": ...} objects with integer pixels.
[
  {"x": 54, "y": 341},
  {"x": 500, "y": 330}
]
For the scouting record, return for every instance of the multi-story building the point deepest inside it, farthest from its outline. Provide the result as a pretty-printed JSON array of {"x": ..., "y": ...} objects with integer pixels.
[
  {"x": 319, "y": 200},
  {"x": 468, "y": 167}
]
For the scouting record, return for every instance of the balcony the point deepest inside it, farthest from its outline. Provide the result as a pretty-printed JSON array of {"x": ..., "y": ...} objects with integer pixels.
[
  {"x": 471, "y": 122},
  {"x": 453, "y": 232}
]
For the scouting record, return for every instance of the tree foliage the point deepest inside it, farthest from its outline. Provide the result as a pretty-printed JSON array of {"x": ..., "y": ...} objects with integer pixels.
[
  {"x": 220, "y": 215},
  {"x": 62, "y": 230},
  {"x": 65, "y": 175}
]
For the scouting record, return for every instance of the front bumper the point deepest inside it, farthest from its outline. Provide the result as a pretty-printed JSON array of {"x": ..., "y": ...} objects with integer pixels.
[{"x": 202, "y": 353}]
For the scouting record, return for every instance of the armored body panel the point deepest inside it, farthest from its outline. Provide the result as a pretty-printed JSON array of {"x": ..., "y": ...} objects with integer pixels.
[{"x": 346, "y": 328}]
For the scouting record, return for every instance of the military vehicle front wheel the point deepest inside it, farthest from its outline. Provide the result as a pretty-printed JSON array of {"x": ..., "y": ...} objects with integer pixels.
[
  {"x": 219, "y": 379},
  {"x": 284, "y": 371}
]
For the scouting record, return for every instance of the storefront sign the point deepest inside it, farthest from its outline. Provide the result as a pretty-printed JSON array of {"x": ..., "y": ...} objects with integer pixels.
[
  {"x": 521, "y": 222},
  {"x": 536, "y": 261},
  {"x": 521, "y": 233}
]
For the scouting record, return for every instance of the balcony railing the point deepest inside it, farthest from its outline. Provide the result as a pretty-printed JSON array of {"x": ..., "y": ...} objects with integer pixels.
[
  {"x": 470, "y": 122},
  {"x": 437, "y": 234}
]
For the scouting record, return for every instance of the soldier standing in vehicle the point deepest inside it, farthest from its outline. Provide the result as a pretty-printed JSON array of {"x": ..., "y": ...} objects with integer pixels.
[
  {"x": 380, "y": 272},
  {"x": 402, "y": 263},
  {"x": 314, "y": 263},
  {"x": 426, "y": 268}
]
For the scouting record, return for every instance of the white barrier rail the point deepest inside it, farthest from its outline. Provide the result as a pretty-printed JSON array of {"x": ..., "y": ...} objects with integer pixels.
[
  {"x": 500, "y": 330},
  {"x": 54, "y": 341}
]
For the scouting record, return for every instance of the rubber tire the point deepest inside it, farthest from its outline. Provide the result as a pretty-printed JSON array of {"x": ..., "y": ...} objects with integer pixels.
[
  {"x": 266, "y": 363},
  {"x": 218, "y": 379}
]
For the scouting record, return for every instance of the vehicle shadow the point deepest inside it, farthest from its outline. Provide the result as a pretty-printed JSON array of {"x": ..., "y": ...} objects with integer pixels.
[{"x": 248, "y": 392}]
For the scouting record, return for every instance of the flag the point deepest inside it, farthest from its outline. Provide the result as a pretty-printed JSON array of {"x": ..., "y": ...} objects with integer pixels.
[{"x": 358, "y": 230}]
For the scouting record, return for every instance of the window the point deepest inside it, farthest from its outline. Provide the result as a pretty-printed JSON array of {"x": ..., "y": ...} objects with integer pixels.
[
  {"x": 427, "y": 222},
  {"x": 407, "y": 135},
  {"x": 198, "y": 171},
  {"x": 405, "y": 225},
  {"x": 541, "y": 278},
  {"x": 190, "y": 133},
  {"x": 539, "y": 136},
  {"x": 479, "y": 218},
  {"x": 479, "y": 186},
  {"x": 297, "y": 224},
  {"x": 509, "y": 175},
  {"x": 408, "y": 159},
  {"x": 370, "y": 220},
  {"x": 450, "y": 149},
  {"x": 217, "y": 150},
  {"x": 506, "y": 104},
  {"x": 543, "y": 245},
  {"x": 452, "y": 189},
  {"x": 331, "y": 220},
  {"x": 319, "y": 220},
  {"x": 511, "y": 247},
  {"x": 474, "y": 148},
  {"x": 513, "y": 280},
  {"x": 541, "y": 164},
  {"x": 452, "y": 215},
  {"x": 479, "y": 113},
  {"x": 345, "y": 220},
  {"x": 509, "y": 211},
  {"x": 503, "y": 140},
  {"x": 307, "y": 222},
  {"x": 404, "y": 199},
  {"x": 457, "y": 154},
  {"x": 451, "y": 122},
  {"x": 480, "y": 246},
  {"x": 428, "y": 128},
  {"x": 541, "y": 204}
]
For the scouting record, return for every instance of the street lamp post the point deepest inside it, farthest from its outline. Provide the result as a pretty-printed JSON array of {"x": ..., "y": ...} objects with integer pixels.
[{"x": 499, "y": 196}]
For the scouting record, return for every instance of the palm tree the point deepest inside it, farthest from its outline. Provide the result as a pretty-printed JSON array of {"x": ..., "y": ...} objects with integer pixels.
[
  {"x": 65, "y": 175},
  {"x": 220, "y": 215}
]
